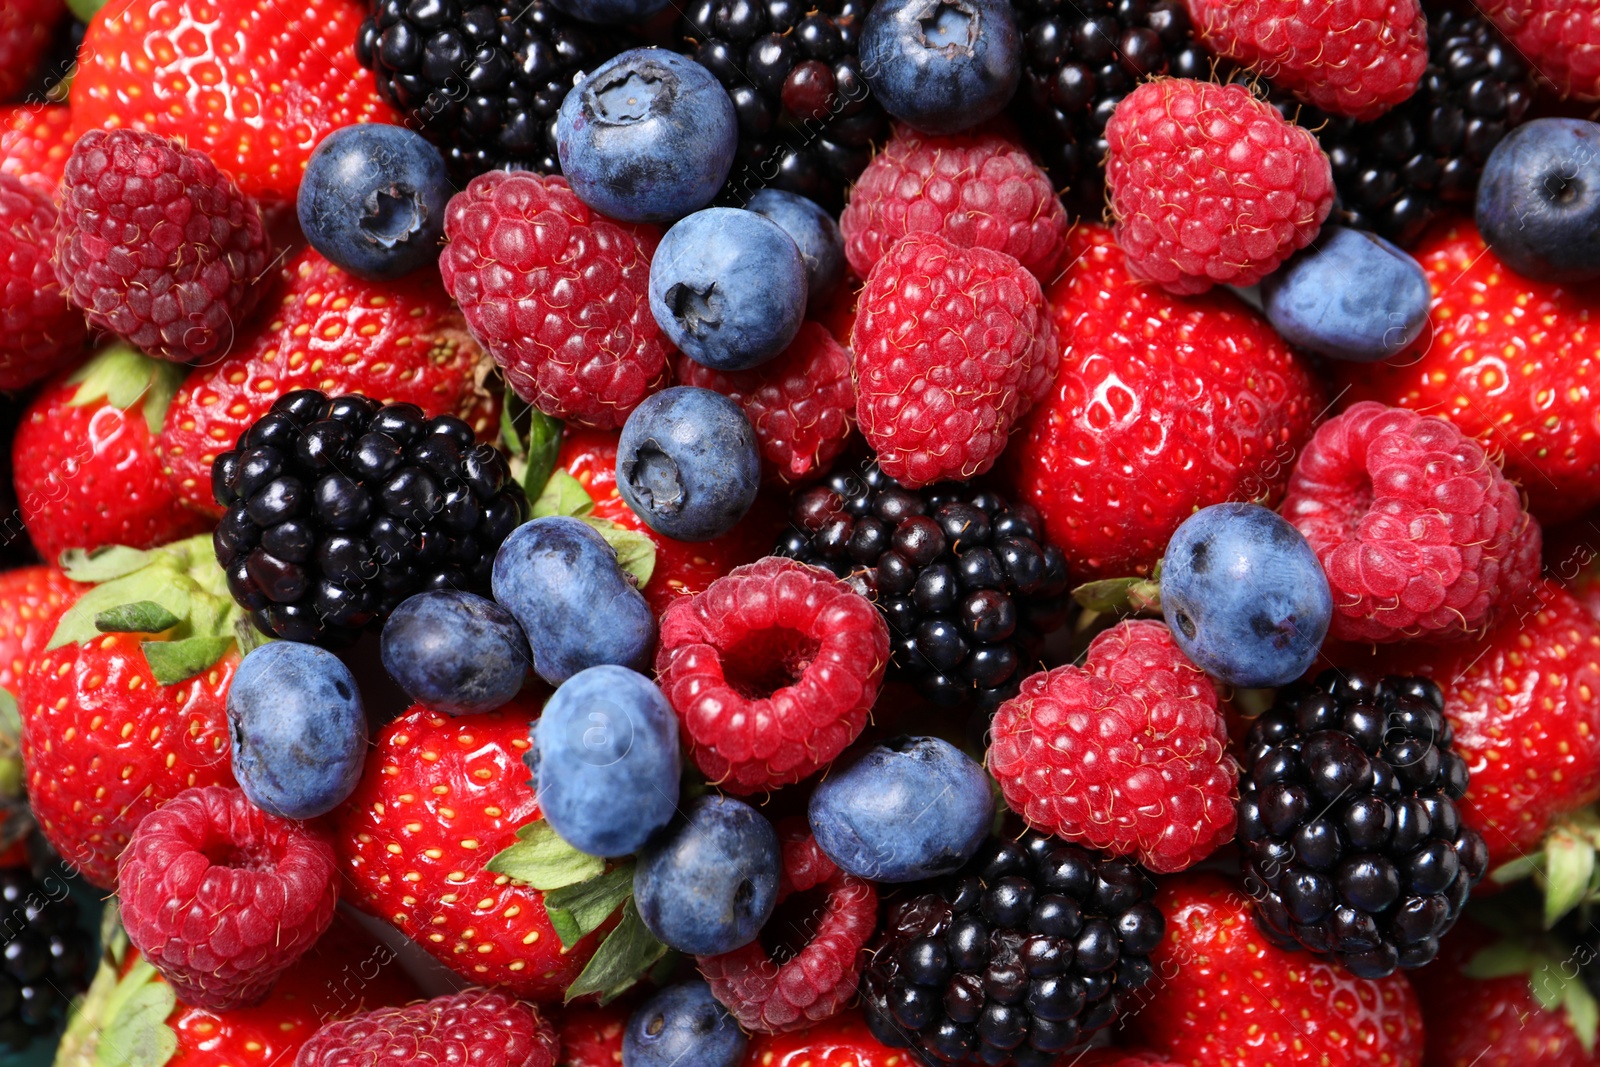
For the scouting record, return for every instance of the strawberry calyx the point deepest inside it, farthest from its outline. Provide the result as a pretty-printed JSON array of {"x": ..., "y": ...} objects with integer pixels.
[
  {"x": 1134, "y": 595},
  {"x": 122, "y": 376},
  {"x": 125, "y": 1010},
  {"x": 1553, "y": 979},
  {"x": 1564, "y": 868},
  {"x": 565, "y": 495}
]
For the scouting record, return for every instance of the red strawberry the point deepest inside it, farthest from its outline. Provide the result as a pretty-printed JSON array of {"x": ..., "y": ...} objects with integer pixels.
[
  {"x": 26, "y": 30},
  {"x": 35, "y": 141},
  {"x": 1560, "y": 38},
  {"x": 395, "y": 341},
  {"x": 31, "y": 601},
  {"x": 84, "y": 458},
  {"x": 1161, "y": 407},
  {"x": 591, "y": 1036},
  {"x": 1227, "y": 996},
  {"x": 255, "y": 84},
  {"x": 842, "y": 1041},
  {"x": 1510, "y": 362}
]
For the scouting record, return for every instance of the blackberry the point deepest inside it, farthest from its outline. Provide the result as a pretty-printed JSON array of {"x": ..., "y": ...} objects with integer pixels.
[
  {"x": 339, "y": 509},
  {"x": 1351, "y": 840},
  {"x": 960, "y": 575},
  {"x": 807, "y": 122},
  {"x": 1017, "y": 958},
  {"x": 46, "y": 956},
  {"x": 482, "y": 81}
]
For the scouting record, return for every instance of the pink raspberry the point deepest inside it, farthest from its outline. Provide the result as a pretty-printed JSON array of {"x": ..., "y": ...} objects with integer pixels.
[
  {"x": 1128, "y": 753},
  {"x": 976, "y": 190},
  {"x": 1559, "y": 38},
  {"x": 817, "y": 977},
  {"x": 157, "y": 245},
  {"x": 478, "y": 1027},
  {"x": 802, "y": 404},
  {"x": 1420, "y": 533},
  {"x": 41, "y": 331},
  {"x": 558, "y": 294},
  {"x": 952, "y": 345},
  {"x": 1210, "y": 185},
  {"x": 1348, "y": 57},
  {"x": 222, "y": 898},
  {"x": 772, "y": 671}
]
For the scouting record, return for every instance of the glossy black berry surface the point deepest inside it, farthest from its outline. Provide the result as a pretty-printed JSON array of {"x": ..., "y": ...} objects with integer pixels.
[{"x": 46, "y": 957}]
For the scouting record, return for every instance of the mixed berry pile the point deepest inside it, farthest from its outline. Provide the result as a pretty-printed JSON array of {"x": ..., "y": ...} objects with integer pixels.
[{"x": 773, "y": 533}]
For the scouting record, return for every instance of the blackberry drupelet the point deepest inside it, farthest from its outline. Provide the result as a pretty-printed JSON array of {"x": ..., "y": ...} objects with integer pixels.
[
  {"x": 960, "y": 575},
  {"x": 339, "y": 509},
  {"x": 807, "y": 122},
  {"x": 482, "y": 81},
  {"x": 1348, "y": 826},
  {"x": 1020, "y": 956},
  {"x": 46, "y": 958}
]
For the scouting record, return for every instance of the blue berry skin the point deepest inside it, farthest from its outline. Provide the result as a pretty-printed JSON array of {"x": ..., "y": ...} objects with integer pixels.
[
  {"x": 1245, "y": 597},
  {"x": 1539, "y": 200},
  {"x": 1352, "y": 296},
  {"x": 728, "y": 288},
  {"x": 649, "y": 136},
  {"x": 914, "y": 808},
  {"x": 372, "y": 200},
  {"x": 576, "y": 607},
  {"x": 813, "y": 231},
  {"x": 610, "y": 12},
  {"x": 605, "y": 761},
  {"x": 941, "y": 65},
  {"x": 298, "y": 728},
  {"x": 682, "y": 1025},
  {"x": 709, "y": 882},
  {"x": 687, "y": 463},
  {"x": 454, "y": 652}
]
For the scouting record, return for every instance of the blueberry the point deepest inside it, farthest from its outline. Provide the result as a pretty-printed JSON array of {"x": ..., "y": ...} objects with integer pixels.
[
  {"x": 610, "y": 12},
  {"x": 372, "y": 200},
  {"x": 561, "y": 581},
  {"x": 708, "y": 884},
  {"x": 298, "y": 728},
  {"x": 687, "y": 463},
  {"x": 1245, "y": 596},
  {"x": 1539, "y": 200},
  {"x": 649, "y": 136},
  {"x": 1351, "y": 296},
  {"x": 813, "y": 231},
  {"x": 914, "y": 808},
  {"x": 941, "y": 65},
  {"x": 605, "y": 760},
  {"x": 682, "y": 1025},
  {"x": 728, "y": 287},
  {"x": 454, "y": 652}
]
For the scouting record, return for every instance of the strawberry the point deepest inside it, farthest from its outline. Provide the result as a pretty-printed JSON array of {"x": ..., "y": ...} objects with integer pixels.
[
  {"x": 31, "y": 601},
  {"x": 131, "y": 1006},
  {"x": 842, "y": 1041},
  {"x": 1227, "y": 995},
  {"x": 592, "y": 1036},
  {"x": 1510, "y": 362},
  {"x": 1560, "y": 39},
  {"x": 395, "y": 341},
  {"x": 35, "y": 141},
  {"x": 125, "y": 707},
  {"x": 84, "y": 457},
  {"x": 255, "y": 84},
  {"x": 26, "y": 29},
  {"x": 1162, "y": 406}
]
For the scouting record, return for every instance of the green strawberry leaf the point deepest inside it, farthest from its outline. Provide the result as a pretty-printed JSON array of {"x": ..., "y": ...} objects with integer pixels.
[
  {"x": 160, "y": 583},
  {"x": 544, "y": 861},
  {"x": 172, "y": 662},
  {"x": 577, "y": 911},
  {"x": 626, "y": 954},
  {"x": 562, "y": 495},
  {"x": 104, "y": 564},
  {"x": 543, "y": 445},
  {"x": 1501, "y": 959},
  {"x": 139, "y": 617},
  {"x": 1121, "y": 596},
  {"x": 122, "y": 376},
  {"x": 84, "y": 10},
  {"x": 510, "y": 440},
  {"x": 636, "y": 553},
  {"x": 137, "y": 1034},
  {"x": 1583, "y": 1014}
]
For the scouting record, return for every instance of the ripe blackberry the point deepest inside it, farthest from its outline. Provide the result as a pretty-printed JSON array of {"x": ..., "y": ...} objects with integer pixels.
[
  {"x": 807, "y": 122},
  {"x": 1020, "y": 956},
  {"x": 483, "y": 81},
  {"x": 1352, "y": 844},
  {"x": 960, "y": 575},
  {"x": 339, "y": 509},
  {"x": 46, "y": 957}
]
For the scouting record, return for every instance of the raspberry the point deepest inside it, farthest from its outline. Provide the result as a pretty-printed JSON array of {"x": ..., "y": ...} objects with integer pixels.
[
  {"x": 481, "y": 1027},
  {"x": 41, "y": 330},
  {"x": 1210, "y": 185},
  {"x": 1419, "y": 532},
  {"x": 1355, "y": 58},
  {"x": 222, "y": 898},
  {"x": 772, "y": 671},
  {"x": 818, "y": 980},
  {"x": 157, "y": 245},
  {"x": 802, "y": 404},
  {"x": 952, "y": 346},
  {"x": 1127, "y": 753},
  {"x": 976, "y": 190},
  {"x": 558, "y": 295},
  {"x": 1560, "y": 38}
]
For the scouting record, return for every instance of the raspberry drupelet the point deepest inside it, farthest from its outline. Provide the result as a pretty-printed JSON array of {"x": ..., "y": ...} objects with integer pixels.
[
  {"x": 39, "y": 330},
  {"x": 481, "y": 1027}
]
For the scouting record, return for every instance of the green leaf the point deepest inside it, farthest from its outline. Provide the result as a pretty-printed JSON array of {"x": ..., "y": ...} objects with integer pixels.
[
  {"x": 122, "y": 376},
  {"x": 544, "y": 861},
  {"x": 10, "y": 719},
  {"x": 1120, "y": 596},
  {"x": 510, "y": 440},
  {"x": 1499, "y": 960},
  {"x": 624, "y": 956},
  {"x": 562, "y": 495},
  {"x": 543, "y": 446},
  {"x": 172, "y": 662},
  {"x": 636, "y": 553},
  {"x": 1582, "y": 1012},
  {"x": 1568, "y": 871},
  {"x": 104, "y": 564},
  {"x": 136, "y": 1033},
  {"x": 84, "y": 10},
  {"x": 1515, "y": 870},
  {"x": 248, "y": 637},
  {"x": 139, "y": 617},
  {"x": 161, "y": 583},
  {"x": 577, "y": 911}
]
